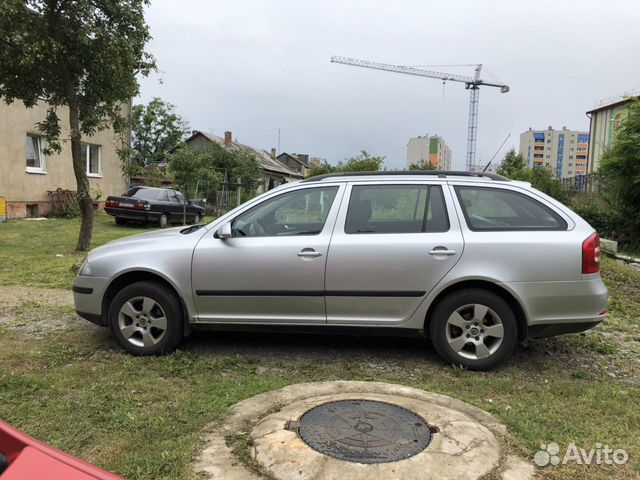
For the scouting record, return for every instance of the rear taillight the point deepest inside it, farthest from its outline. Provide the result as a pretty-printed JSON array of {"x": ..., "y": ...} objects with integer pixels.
[
  {"x": 591, "y": 254},
  {"x": 110, "y": 203},
  {"x": 142, "y": 206}
]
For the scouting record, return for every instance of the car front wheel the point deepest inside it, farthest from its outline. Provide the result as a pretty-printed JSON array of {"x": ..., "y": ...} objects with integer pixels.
[
  {"x": 146, "y": 319},
  {"x": 474, "y": 328}
]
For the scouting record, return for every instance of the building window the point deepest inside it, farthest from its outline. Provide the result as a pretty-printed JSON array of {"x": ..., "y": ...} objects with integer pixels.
[
  {"x": 91, "y": 158},
  {"x": 34, "y": 156},
  {"x": 548, "y": 156},
  {"x": 570, "y": 157}
]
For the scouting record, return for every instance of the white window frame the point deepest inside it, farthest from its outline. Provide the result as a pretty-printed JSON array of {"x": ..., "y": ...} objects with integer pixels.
[
  {"x": 88, "y": 146},
  {"x": 42, "y": 168}
]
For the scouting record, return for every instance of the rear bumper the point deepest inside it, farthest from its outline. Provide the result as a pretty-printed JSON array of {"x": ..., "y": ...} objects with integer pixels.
[
  {"x": 553, "y": 329},
  {"x": 135, "y": 215},
  {"x": 562, "y": 307}
]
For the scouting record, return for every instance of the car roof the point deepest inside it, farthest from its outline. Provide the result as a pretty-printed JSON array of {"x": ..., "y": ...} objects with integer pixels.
[
  {"x": 406, "y": 174},
  {"x": 152, "y": 188}
]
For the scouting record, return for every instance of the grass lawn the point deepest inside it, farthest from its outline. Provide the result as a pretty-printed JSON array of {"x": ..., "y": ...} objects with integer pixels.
[{"x": 65, "y": 381}]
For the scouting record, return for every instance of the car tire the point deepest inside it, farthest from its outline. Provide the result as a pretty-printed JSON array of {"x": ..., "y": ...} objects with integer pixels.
[
  {"x": 120, "y": 221},
  {"x": 474, "y": 328},
  {"x": 146, "y": 318},
  {"x": 163, "y": 221}
]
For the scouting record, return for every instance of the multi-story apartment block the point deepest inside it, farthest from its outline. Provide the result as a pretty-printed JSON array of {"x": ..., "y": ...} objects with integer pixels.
[
  {"x": 564, "y": 151},
  {"x": 605, "y": 118},
  {"x": 432, "y": 149}
]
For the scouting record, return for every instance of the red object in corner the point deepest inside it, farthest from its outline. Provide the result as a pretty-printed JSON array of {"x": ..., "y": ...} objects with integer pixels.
[{"x": 30, "y": 459}]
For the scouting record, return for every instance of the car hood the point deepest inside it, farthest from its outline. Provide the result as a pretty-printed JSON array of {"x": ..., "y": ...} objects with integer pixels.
[{"x": 148, "y": 240}]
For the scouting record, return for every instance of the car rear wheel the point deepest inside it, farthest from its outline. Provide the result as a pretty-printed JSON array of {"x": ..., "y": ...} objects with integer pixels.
[
  {"x": 120, "y": 221},
  {"x": 146, "y": 319},
  {"x": 163, "y": 221},
  {"x": 474, "y": 328}
]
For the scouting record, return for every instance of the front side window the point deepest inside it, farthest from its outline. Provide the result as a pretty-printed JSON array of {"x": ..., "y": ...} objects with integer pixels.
[
  {"x": 91, "y": 158},
  {"x": 396, "y": 209},
  {"x": 173, "y": 196},
  {"x": 34, "y": 156},
  {"x": 494, "y": 209},
  {"x": 301, "y": 212}
]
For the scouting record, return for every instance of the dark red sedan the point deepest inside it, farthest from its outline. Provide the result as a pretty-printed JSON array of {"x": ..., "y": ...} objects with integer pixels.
[{"x": 24, "y": 458}]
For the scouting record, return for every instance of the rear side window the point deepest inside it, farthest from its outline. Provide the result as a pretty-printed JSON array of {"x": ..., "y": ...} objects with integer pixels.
[
  {"x": 144, "y": 193},
  {"x": 396, "y": 209},
  {"x": 495, "y": 209}
]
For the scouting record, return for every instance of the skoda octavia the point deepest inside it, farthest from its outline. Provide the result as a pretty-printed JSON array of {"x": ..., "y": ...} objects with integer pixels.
[{"x": 473, "y": 261}]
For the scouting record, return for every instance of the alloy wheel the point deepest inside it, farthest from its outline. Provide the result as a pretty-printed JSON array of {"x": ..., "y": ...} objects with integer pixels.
[
  {"x": 142, "y": 321},
  {"x": 474, "y": 331}
]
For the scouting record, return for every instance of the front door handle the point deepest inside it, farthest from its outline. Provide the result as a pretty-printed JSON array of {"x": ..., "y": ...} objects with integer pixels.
[
  {"x": 442, "y": 251},
  {"x": 309, "y": 252}
]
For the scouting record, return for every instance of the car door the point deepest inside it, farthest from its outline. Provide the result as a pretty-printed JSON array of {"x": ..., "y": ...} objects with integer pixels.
[
  {"x": 272, "y": 268},
  {"x": 175, "y": 206},
  {"x": 391, "y": 245}
]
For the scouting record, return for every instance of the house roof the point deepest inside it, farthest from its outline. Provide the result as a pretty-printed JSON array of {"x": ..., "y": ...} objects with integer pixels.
[
  {"x": 295, "y": 158},
  {"x": 612, "y": 104},
  {"x": 264, "y": 158}
]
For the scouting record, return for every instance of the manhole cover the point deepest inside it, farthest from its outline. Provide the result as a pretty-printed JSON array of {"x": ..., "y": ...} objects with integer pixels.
[{"x": 364, "y": 431}]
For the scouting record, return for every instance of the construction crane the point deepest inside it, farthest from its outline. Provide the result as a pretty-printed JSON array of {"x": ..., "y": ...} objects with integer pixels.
[{"x": 472, "y": 84}]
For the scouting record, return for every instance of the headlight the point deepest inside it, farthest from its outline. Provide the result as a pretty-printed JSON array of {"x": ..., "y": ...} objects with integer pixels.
[{"x": 85, "y": 269}]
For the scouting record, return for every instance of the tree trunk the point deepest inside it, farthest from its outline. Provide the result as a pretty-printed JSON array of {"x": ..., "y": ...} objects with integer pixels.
[{"x": 82, "y": 182}]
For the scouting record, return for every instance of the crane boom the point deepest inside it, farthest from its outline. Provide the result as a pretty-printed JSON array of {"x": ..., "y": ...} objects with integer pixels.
[
  {"x": 401, "y": 69},
  {"x": 473, "y": 84}
]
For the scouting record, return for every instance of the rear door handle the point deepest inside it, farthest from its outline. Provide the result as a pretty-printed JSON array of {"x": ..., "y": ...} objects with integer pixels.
[
  {"x": 442, "y": 251},
  {"x": 309, "y": 252}
]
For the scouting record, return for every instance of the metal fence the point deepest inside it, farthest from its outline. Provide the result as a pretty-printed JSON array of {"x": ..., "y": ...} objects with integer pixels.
[{"x": 581, "y": 184}]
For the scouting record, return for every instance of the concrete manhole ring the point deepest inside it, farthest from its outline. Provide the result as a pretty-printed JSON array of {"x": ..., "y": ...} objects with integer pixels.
[{"x": 464, "y": 442}]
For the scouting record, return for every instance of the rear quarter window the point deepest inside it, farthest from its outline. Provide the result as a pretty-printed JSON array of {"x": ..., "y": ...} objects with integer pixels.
[{"x": 497, "y": 209}]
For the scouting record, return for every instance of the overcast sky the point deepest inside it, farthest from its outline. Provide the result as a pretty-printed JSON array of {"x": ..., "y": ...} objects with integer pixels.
[{"x": 254, "y": 67}]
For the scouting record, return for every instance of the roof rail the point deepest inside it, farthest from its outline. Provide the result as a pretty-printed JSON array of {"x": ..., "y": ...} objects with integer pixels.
[{"x": 437, "y": 173}]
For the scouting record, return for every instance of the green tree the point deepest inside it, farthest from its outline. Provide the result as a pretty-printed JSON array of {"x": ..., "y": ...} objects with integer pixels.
[
  {"x": 80, "y": 54},
  {"x": 323, "y": 168},
  {"x": 190, "y": 169},
  {"x": 512, "y": 164},
  {"x": 620, "y": 173},
  {"x": 360, "y": 163},
  {"x": 156, "y": 130},
  {"x": 423, "y": 166}
]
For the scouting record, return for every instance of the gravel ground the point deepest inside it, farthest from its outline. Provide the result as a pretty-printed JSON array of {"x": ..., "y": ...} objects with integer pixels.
[{"x": 599, "y": 352}]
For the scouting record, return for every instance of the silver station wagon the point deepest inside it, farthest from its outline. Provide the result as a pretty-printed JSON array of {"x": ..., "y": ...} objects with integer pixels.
[{"x": 473, "y": 261}]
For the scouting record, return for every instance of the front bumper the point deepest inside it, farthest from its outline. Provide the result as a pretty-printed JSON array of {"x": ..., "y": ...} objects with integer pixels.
[{"x": 87, "y": 296}]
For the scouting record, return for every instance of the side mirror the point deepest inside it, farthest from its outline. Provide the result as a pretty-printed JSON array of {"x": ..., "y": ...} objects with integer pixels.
[{"x": 224, "y": 231}]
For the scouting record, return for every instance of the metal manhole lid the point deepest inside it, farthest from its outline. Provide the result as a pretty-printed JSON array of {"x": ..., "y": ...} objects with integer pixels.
[{"x": 364, "y": 431}]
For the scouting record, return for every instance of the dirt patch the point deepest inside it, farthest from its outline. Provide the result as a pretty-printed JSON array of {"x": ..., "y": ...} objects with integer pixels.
[
  {"x": 13, "y": 296},
  {"x": 36, "y": 311}
]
